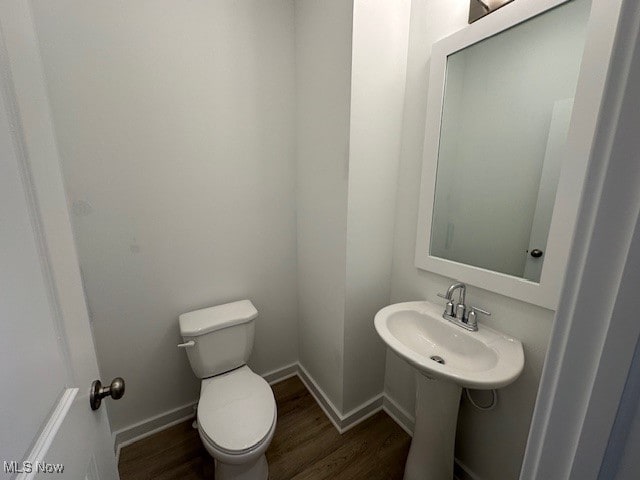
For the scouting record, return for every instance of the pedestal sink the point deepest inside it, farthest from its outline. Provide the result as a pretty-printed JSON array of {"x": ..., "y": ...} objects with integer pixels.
[{"x": 447, "y": 358}]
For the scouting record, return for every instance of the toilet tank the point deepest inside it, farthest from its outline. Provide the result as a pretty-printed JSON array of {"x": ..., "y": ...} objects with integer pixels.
[{"x": 222, "y": 337}]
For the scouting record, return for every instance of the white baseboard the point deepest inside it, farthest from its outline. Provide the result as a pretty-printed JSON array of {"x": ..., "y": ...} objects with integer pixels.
[
  {"x": 462, "y": 472},
  {"x": 145, "y": 428},
  {"x": 320, "y": 397},
  {"x": 150, "y": 426},
  {"x": 362, "y": 412},
  {"x": 403, "y": 418},
  {"x": 341, "y": 421},
  {"x": 280, "y": 374}
]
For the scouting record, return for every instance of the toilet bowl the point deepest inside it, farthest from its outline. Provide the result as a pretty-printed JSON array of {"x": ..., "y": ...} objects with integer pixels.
[
  {"x": 236, "y": 414},
  {"x": 236, "y": 422}
]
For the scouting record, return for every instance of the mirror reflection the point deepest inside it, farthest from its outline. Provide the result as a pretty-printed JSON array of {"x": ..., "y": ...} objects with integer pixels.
[{"x": 506, "y": 111}]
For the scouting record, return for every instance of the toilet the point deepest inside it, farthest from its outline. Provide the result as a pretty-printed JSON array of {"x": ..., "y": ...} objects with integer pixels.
[{"x": 236, "y": 415}]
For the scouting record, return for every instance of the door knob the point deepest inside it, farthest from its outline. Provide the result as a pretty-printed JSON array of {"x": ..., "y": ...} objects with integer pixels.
[
  {"x": 535, "y": 253},
  {"x": 98, "y": 392}
]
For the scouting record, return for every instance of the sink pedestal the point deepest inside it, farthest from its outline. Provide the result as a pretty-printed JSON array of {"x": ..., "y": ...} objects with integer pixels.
[
  {"x": 437, "y": 348},
  {"x": 431, "y": 453}
]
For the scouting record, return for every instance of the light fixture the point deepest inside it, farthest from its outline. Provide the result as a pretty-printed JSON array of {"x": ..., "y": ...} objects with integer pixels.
[{"x": 480, "y": 8}]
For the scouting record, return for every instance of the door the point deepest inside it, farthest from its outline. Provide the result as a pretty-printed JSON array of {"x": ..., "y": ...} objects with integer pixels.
[{"x": 46, "y": 346}]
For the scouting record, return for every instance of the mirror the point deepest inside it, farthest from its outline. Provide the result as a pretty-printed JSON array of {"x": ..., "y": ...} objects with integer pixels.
[
  {"x": 501, "y": 122},
  {"x": 507, "y": 106}
]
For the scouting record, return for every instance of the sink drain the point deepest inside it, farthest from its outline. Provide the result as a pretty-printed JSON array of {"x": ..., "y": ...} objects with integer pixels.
[{"x": 438, "y": 359}]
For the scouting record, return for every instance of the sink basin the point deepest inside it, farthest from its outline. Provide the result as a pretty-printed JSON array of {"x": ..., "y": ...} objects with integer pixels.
[
  {"x": 417, "y": 332},
  {"x": 447, "y": 358}
]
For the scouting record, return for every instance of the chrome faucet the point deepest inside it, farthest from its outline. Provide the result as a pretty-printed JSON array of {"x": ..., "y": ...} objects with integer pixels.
[
  {"x": 454, "y": 310},
  {"x": 457, "y": 313}
]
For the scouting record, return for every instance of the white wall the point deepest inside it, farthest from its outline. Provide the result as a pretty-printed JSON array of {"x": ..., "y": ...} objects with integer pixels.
[
  {"x": 380, "y": 36},
  {"x": 350, "y": 76},
  {"x": 175, "y": 127},
  {"x": 29, "y": 343},
  {"x": 491, "y": 443},
  {"x": 323, "y": 73}
]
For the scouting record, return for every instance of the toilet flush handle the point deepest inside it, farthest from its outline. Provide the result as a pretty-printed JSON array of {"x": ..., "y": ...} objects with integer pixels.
[{"x": 190, "y": 343}]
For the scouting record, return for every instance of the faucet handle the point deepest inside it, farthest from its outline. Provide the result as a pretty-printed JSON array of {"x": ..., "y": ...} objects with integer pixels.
[
  {"x": 449, "y": 309},
  {"x": 472, "y": 317},
  {"x": 479, "y": 310}
]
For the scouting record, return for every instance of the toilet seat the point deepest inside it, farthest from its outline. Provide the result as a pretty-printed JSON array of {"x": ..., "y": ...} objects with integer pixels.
[{"x": 236, "y": 411}]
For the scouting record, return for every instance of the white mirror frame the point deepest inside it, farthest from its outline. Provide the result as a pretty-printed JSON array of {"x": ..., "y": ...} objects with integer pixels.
[{"x": 572, "y": 176}]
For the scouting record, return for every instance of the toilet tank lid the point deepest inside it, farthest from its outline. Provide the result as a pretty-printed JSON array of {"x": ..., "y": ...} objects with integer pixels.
[{"x": 209, "y": 319}]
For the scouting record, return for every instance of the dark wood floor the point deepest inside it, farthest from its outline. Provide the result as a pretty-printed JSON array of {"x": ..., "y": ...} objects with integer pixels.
[{"x": 305, "y": 446}]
